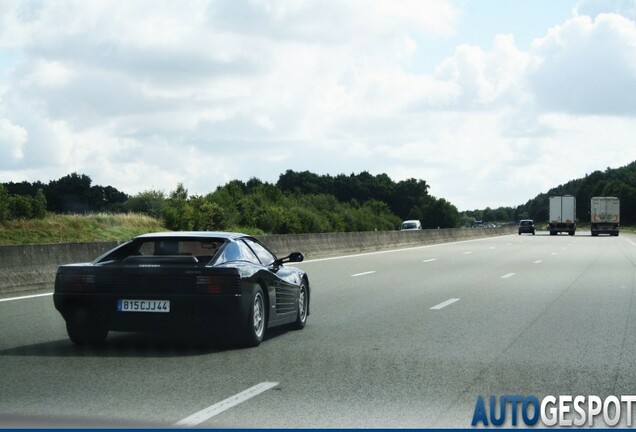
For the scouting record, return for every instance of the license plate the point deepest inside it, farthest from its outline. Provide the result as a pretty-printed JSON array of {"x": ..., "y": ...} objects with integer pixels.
[{"x": 143, "y": 305}]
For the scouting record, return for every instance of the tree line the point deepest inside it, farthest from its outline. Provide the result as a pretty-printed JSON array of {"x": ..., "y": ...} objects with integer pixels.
[
  {"x": 72, "y": 193},
  {"x": 302, "y": 201},
  {"x": 618, "y": 182},
  {"x": 299, "y": 202}
]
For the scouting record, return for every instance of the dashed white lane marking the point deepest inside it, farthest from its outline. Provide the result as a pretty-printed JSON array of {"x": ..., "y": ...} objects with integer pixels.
[
  {"x": 492, "y": 247},
  {"x": 538, "y": 261},
  {"x": 553, "y": 253},
  {"x": 430, "y": 260},
  {"x": 509, "y": 275},
  {"x": 468, "y": 253},
  {"x": 363, "y": 273},
  {"x": 444, "y": 304},
  {"x": 206, "y": 414},
  {"x": 25, "y": 297}
]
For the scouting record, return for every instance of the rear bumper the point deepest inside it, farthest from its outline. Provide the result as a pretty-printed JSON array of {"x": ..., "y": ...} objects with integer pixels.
[
  {"x": 561, "y": 227},
  {"x": 604, "y": 228},
  {"x": 189, "y": 312}
]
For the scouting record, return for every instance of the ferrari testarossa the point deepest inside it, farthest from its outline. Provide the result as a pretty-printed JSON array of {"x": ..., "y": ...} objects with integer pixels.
[{"x": 203, "y": 282}]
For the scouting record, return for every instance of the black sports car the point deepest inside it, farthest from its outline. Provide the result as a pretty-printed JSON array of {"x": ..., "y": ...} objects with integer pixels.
[{"x": 183, "y": 281}]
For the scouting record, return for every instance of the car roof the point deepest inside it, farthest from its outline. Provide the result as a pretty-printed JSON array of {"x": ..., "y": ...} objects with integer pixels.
[{"x": 199, "y": 234}]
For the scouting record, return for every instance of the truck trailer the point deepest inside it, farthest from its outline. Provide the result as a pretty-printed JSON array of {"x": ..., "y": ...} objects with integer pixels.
[
  {"x": 562, "y": 215},
  {"x": 605, "y": 215}
]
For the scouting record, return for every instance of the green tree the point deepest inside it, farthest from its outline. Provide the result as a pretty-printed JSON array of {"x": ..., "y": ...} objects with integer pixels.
[
  {"x": 149, "y": 202},
  {"x": 177, "y": 215},
  {"x": 206, "y": 215},
  {"x": 20, "y": 207},
  {"x": 4, "y": 204},
  {"x": 69, "y": 194},
  {"x": 39, "y": 204}
]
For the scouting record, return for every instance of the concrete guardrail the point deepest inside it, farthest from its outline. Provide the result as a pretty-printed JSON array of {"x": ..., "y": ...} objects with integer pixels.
[{"x": 29, "y": 268}]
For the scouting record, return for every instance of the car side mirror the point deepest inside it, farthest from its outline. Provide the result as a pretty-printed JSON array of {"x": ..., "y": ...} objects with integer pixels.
[
  {"x": 296, "y": 257},
  {"x": 292, "y": 257}
]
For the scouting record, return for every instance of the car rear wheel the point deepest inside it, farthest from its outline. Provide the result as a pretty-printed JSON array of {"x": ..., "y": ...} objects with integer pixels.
[
  {"x": 256, "y": 320},
  {"x": 82, "y": 333},
  {"x": 303, "y": 306}
]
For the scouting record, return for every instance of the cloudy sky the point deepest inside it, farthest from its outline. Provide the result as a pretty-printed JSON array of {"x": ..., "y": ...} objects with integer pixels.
[{"x": 490, "y": 101}]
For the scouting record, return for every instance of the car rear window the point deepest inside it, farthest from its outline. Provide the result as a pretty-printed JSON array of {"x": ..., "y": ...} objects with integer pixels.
[{"x": 203, "y": 249}]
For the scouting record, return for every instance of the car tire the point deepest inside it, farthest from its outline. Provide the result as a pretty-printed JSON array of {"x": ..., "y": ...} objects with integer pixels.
[
  {"x": 256, "y": 320},
  {"x": 303, "y": 307},
  {"x": 82, "y": 333}
]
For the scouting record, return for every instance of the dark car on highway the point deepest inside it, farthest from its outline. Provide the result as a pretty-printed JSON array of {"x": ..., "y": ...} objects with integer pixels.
[
  {"x": 189, "y": 282},
  {"x": 526, "y": 226}
]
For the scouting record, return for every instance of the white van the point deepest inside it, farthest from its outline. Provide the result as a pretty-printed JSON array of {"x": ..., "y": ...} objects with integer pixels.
[{"x": 410, "y": 225}]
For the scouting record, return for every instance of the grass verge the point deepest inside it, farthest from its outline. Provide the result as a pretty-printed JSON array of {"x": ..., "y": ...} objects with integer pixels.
[{"x": 56, "y": 228}]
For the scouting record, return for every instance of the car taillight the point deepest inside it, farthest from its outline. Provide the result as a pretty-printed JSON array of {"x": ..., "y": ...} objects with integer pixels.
[
  {"x": 218, "y": 285},
  {"x": 75, "y": 283}
]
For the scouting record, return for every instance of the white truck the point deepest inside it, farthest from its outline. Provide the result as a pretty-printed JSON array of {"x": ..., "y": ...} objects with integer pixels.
[
  {"x": 605, "y": 215},
  {"x": 562, "y": 215}
]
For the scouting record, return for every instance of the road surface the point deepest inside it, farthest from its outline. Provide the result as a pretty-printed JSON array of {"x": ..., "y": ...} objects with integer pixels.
[{"x": 406, "y": 338}]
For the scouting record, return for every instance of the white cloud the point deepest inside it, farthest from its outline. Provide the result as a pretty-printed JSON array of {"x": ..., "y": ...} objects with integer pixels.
[
  {"x": 12, "y": 140},
  {"x": 487, "y": 77},
  {"x": 149, "y": 94},
  {"x": 593, "y": 8},
  {"x": 587, "y": 66}
]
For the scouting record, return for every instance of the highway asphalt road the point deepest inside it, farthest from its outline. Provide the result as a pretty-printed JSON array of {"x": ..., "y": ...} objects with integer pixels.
[{"x": 407, "y": 338}]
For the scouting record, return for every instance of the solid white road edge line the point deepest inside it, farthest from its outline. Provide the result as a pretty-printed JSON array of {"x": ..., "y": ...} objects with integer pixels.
[
  {"x": 400, "y": 250},
  {"x": 25, "y": 297},
  {"x": 206, "y": 414},
  {"x": 509, "y": 275},
  {"x": 362, "y": 274},
  {"x": 444, "y": 304}
]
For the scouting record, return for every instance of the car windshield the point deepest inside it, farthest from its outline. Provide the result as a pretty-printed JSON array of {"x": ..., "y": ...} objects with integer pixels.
[{"x": 409, "y": 225}]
